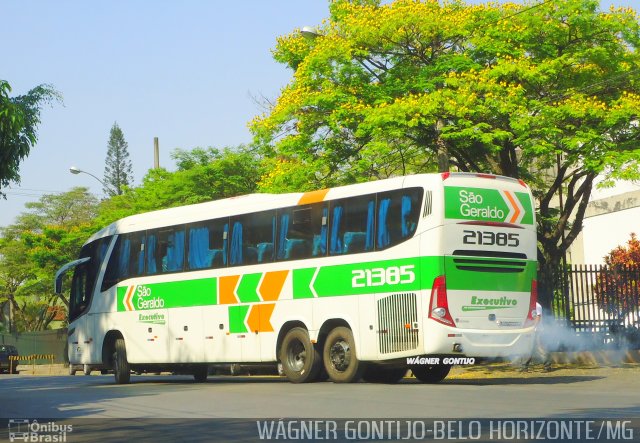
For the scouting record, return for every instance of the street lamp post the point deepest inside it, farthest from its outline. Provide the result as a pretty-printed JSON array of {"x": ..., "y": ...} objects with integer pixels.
[{"x": 76, "y": 171}]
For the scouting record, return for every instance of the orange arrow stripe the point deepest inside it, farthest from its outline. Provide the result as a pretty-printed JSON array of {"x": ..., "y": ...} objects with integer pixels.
[
  {"x": 259, "y": 318},
  {"x": 515, "y": 207},
  {"x": 128, "y": 297},
  {"x": 227, "y": 290},
  {"x": 272, "y": 284}
]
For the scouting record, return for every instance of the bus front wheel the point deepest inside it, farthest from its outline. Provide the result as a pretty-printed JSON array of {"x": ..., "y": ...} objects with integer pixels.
[
  {"x": 300, "y": 359},
  {"x": 339, "y": 356},
  {"x": 431, "y": 373},
  {"x": 121, "y": 368}
]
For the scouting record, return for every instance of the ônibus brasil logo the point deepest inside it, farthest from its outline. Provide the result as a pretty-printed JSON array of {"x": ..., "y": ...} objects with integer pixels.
[{"x": 144, "y": 298}]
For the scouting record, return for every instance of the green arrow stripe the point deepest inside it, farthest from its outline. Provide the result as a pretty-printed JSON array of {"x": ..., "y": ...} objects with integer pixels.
[
  {"x": 248, "y": 288},
  {"x": 237, "y": 316}
]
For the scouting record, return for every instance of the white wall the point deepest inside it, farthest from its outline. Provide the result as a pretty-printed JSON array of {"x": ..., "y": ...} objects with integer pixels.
[{"x": 603, "y": 232}]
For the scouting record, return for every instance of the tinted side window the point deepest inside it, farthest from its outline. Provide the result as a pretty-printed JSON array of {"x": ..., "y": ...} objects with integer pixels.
[
  {"x": 85, "y": 276},
  {"x": 352, "y": 225},
  {"x": 208, "y": 244},
  {"x": 165, "y": 250},
  {"x": 397, "y": 216},
  {"x": 126, "y": 260},
  {"x": 302, "y": 232},
  {"x": 252, "y": 238}
]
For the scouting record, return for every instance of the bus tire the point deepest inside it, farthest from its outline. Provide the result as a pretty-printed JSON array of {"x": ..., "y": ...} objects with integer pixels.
[
  {"x": 121, "y": 368},
  {"x": 200, "y": 373},
  {"x": 339, "y": 356},
  {"x": 379, "y": 374},
  {"x": 430, "y": 373},
  {"x": 301, "y": 362},
  {"x": 72, "y": 370}
]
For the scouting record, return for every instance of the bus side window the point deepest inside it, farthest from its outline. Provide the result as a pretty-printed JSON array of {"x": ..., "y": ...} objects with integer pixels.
[
  {"x": 320, "y": 229},
  {"x": 152, "y": 266},
  {"x": 136, "y": 257},
  {"x": 235, "y": 252},
  {"x": 208, "y": 245},
  {"x": 169, "y": 254},
  {"x": 298, "y": 228},
  {"x": 335, "y": 245},
  {"x": 252, "y": 239},
  {"x": 398, "y": 213},
  {"x": 352, "y": 225},
  {"x": 115, "y": 269}
]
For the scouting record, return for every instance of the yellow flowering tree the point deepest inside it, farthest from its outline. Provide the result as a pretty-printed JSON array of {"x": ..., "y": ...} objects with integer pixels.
[{"x": 547, "y": 91}]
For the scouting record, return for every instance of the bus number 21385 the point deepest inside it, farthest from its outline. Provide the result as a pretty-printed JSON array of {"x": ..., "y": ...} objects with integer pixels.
[{"x": 393, "y": 275}]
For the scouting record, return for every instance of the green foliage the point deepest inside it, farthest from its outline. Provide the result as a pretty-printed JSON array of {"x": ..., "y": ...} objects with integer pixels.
[
  {"x": 546, "y": 92},
  {"x": 202, "y": 175},
  {"x": 31, "y": 250},
  {"x": 51, "y": 232},
  {"x": 118, "y": 172},
  {"x": 19, "y": 119}
]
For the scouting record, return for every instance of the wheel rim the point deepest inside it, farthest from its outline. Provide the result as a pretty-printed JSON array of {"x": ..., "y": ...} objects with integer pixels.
[
  {"x": 296, "y": 356},
  {"x": 340, "y": 355}
]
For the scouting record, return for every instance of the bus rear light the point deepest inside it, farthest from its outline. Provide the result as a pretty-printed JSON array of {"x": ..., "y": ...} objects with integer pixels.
[
  {"x": 439, "y": 310},
  {"x": 533, "y": 299},
  {"x": 445, "y": 175}
]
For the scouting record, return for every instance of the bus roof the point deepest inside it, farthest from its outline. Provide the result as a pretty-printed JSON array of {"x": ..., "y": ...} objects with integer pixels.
[{"x": 258, "y": 202}]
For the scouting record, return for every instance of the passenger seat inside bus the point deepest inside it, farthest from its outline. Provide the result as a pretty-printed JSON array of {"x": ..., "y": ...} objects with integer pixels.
[
  {"x": 296, "y": 248},
  {"x": 354, "y": 242},
  {"x": 216, "y": 258},
  {"x": 265, "y": 252}
]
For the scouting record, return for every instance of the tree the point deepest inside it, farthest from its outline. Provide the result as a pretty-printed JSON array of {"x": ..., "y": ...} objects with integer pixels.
[
  {"x": 618, "y": 284},
  {"x": 118, "y": 171},
  {"x": 202, "y": 175},
  {"x": 31, "y": 250},
  {"x": 19, "y": 120},
  {"x": 546, "y": 92}
]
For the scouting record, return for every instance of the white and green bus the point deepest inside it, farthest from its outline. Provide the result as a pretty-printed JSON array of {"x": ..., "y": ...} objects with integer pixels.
[{"x": 355, "y": 281}]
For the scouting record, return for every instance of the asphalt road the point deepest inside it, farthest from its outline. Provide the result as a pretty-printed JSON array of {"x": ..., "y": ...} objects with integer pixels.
[{"x": 151, "y": 403}]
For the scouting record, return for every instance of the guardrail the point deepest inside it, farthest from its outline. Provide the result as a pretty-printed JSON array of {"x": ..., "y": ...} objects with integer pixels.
[{"x": 30, "y": 358}]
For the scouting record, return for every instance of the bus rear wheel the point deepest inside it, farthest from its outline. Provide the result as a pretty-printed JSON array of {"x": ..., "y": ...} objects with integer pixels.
[
  {"x": 339, "y": 356},
  {"x": 300, "y": 359},
  {"x": 379, "y": 374},
  {"x": 121, "y": 368},
  {"x": 431, "y": 373}
]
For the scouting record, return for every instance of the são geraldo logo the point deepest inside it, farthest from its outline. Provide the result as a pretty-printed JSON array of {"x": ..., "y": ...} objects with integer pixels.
[{"x": 144, "y": 298}]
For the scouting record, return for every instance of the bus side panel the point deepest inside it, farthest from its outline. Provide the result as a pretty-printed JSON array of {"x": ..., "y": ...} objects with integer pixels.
[
  {"x": 219, "y": 345},
  {"x": 145, "y": 342}
]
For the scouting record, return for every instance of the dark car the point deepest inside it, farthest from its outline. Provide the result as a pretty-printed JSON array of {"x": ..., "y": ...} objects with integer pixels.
[{"x": 5, "y": 364}]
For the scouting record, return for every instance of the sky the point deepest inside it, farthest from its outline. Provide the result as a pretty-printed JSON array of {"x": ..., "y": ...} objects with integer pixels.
[{"x": 191, "y": 73}]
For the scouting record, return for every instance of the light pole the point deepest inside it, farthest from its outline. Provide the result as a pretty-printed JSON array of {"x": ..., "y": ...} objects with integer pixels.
[
  {"x": 76, "y": 171},
  {"x": 309, "y": 32}
]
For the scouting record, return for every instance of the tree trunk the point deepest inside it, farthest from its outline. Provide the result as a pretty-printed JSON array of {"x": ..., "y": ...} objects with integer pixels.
[{"x": 443, "y": 155}]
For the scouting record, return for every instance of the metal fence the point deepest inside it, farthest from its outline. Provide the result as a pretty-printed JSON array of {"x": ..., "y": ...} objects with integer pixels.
[
  {"x": 50, "y": 342},
  {"x": 598, "y": 301}
]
